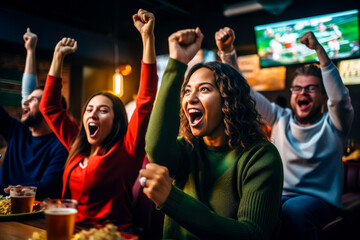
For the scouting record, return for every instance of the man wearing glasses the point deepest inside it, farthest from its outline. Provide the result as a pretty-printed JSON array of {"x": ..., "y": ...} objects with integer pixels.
[{"x": 310, "y": 141}]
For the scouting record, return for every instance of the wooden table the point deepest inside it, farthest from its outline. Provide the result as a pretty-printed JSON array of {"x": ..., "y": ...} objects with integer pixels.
[
  {"x": 14, "y": 230},
  {"x": 23, "y": 229}
]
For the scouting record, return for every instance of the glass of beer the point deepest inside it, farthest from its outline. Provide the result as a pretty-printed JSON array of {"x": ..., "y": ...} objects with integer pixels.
[
  {"x": 60, "y": 215},
  {"x": 22, "y": 199}
]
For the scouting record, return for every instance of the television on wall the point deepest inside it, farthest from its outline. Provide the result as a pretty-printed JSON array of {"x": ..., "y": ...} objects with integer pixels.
[{"x": 279, "y": 43}]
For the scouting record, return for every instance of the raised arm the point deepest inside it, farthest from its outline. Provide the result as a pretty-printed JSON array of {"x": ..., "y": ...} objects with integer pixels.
[
  {"x": 164, "y": 121},
  {"x": 134, "y": 139},
  {"x": 225, "y": 38},
  {"x": 184, "y": 44},
  {"x": 50, "y": 106},
  {"x": 339, "y": 103},
  {"x": 161, "y": 144},
  {"x": 144, "y": 22},
  {"x": 64, "y": 47},
  {"x": 310, "y": 41},
  {"x": 29, "y": 76}
]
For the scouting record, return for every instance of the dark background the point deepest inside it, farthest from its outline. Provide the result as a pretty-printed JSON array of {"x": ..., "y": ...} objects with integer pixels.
[{"x": 99, "y": 25}]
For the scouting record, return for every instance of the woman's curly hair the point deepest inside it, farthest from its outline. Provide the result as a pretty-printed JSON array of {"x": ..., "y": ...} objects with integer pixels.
[{"x": 242, "y": 122}]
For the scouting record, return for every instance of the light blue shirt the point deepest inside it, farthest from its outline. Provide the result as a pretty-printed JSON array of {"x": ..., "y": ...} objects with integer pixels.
[
  {"x": 311, "y": 155},
  {"x": 28, "y": 86}
]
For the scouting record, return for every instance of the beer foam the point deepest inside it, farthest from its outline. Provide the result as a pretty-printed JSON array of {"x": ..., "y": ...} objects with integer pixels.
[
  {"x": 28, "y": 192},
  {"x": 61, "y": 211}
]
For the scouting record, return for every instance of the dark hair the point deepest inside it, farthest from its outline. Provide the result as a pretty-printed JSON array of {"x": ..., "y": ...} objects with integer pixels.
[
  {"x": 63, "y": 100},
  {"x": 310, "y": 70},
  {"x": 120, "y": 123},
  {"x": 242, "y": 122}
]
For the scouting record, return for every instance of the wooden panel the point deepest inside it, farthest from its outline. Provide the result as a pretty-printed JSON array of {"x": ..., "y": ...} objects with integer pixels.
[
  {"x": 10, "y": 87},
  {"x": 15, "y": 231}
]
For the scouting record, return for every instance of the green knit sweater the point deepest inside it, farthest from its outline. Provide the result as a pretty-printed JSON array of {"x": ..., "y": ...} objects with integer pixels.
[{"x": 218, "y": 192}]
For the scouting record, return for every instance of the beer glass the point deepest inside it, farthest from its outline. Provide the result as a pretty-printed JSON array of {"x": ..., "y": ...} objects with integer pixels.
[
  {"x": 22, "y": 199},
  {"x": 60, "y": 215}
]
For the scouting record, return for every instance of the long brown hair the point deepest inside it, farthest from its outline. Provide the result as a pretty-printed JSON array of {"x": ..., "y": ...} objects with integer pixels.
[
  {"x": 241, "y": 120},
  {"x": 81, "y": 145}
]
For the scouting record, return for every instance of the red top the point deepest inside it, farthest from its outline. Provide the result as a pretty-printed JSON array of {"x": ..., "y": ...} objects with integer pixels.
[{"x": 103, "y": 188}]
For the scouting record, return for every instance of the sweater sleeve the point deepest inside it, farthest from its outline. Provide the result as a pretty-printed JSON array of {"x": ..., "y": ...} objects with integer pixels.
[
  {"x": 164, "y": 122},
  {"x": 339, "y": 105},
  {"x": 134, "y": 139},
  {"x": 258, "y": 216},
  {"x": 269, "y": 111},
  {"x": 58, "y": 119},
  {"x": 50, "y": 184},
  {"x": 27, "y": 86}
]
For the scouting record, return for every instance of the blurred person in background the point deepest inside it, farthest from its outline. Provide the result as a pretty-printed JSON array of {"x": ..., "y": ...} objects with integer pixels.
[{"x": 34, "y": 155}]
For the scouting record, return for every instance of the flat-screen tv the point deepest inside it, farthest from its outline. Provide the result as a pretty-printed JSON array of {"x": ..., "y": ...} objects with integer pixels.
[{"x": 279, "y": 43}]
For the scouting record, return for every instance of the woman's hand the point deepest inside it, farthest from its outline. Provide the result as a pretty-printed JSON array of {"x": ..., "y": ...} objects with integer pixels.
[
  {"x": 65, "y": 46},
  {"x": 184, "y": 44},
  {"x": 144, "y": 22},
  {"x": 157, "y": 185}
]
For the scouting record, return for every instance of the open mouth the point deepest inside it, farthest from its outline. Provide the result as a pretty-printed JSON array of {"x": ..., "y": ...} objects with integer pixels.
[
  {"x": 195, "y": 116},
  {"x": 303, "y": 104},
  {"x": 93, "y": 129},
  {"x": 25, "y": 111}
]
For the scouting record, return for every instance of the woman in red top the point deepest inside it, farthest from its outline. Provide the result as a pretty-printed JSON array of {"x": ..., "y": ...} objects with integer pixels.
[{"x": 106, "y": 153}]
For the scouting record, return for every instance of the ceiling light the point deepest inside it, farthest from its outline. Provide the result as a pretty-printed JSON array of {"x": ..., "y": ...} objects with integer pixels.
[
  {"x": 242, "y": 8},
  {"x": 272, "y": 6}
]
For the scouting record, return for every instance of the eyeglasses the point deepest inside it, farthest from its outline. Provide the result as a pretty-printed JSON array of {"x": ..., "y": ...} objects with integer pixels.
[{"x": 309, "y": 88}]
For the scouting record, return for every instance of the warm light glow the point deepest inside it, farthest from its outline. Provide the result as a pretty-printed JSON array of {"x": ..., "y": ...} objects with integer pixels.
[
  {"x": 125, "y": 69},
  {"x": 242, "y": 8},
  {"x": 118, "y": 84}
]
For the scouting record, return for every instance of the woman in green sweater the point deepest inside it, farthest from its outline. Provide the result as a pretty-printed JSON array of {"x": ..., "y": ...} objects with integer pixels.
[{"x": 227, "y": 176}]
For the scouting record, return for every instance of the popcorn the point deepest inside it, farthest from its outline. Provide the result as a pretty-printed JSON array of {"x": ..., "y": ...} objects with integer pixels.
[
  {"x": 109, "y": 232},
  {"x": 5, "y": 206}
]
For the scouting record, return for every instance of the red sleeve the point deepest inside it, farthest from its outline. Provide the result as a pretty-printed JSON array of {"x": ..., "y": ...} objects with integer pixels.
[
  {"x": 134, "y": 139},
  {"x": 58, "y": 119}
]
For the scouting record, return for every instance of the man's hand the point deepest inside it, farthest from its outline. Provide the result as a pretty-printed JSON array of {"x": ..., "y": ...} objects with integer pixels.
[
  {"x": 144, "y": 22},
  {"x": 7, "y": 190},
  {"x": 310, "y": 41},
  {"x": 30, "y": 40},
  {"x": 184, "y": 44},
  {"x": 224, "y": 39},
  {"x": 65, "y": 46}
]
